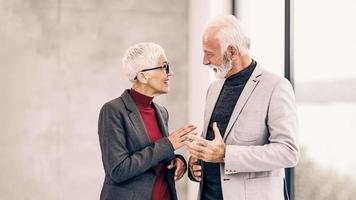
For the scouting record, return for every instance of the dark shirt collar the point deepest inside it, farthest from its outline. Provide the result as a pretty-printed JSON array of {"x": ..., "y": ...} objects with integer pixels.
[
  {"x": 141, "y": 100},
  {"x": 241, "y": 76}
]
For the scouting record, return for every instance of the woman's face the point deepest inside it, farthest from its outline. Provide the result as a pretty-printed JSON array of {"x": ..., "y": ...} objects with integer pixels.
[{"x": 158, "y": 79}]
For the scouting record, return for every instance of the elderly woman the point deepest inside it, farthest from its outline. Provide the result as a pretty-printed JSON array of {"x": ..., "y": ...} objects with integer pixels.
[{"x": 137, "y": 152}]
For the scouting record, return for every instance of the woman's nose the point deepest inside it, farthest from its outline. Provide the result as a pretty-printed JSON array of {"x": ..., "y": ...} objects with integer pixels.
[{"x": 171, "y": 73}]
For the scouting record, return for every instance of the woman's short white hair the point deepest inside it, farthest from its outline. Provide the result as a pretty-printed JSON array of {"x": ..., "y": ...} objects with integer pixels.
[
  {"x": 229, "y": 32},
  {"x": 141, "y": 56}
]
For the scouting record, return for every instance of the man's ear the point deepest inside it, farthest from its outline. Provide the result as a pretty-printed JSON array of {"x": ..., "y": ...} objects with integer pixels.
[
  {"x": 233, "y": 51},
  {"x": 141, "y": 77}
]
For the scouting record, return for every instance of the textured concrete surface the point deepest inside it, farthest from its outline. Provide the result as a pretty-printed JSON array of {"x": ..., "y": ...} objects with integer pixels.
[{"x": 60, "y": 60}]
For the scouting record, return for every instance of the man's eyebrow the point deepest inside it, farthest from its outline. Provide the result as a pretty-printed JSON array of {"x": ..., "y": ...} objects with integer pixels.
[{"x": 208, "y": 51}]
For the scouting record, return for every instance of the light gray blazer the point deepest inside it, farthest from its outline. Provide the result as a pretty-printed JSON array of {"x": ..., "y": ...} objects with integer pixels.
[{"x": 260, "y": 137}]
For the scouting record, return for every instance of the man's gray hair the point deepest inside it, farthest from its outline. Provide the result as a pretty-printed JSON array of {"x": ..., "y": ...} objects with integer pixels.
[
  {"x": 141, "y": 56},
  {"x": 229, "y": 32}
]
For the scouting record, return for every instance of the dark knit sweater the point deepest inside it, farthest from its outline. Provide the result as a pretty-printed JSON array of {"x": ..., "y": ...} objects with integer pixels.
[{"x": 224, "y": 107}]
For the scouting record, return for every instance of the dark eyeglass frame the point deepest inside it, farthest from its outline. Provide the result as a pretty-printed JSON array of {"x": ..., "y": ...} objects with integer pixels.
[{"x": 165, "y": 66}]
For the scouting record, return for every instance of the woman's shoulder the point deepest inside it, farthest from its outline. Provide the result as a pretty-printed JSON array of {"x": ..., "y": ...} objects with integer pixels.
[{"x": 113, "y": 107}]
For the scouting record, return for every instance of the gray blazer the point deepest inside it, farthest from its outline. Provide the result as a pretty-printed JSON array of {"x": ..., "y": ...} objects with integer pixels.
[
  {"x": 128, "y": 156},
  {"x": 260, "y": 137}
]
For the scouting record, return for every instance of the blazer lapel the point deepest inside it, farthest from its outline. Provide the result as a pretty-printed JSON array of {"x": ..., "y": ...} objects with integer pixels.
[
  {"x": 210, "y": 104},
  {"x": 246, "y": 93},
  {"x": 160, "y": 120},
  {"x": 136, "y": 119}
]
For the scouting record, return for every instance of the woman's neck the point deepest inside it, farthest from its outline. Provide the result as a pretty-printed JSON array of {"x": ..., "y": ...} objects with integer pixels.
[{"x": 143, "y": 90}]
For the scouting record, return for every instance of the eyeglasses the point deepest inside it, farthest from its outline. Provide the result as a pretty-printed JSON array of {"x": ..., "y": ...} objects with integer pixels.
[{"x": 165, "y": 66}]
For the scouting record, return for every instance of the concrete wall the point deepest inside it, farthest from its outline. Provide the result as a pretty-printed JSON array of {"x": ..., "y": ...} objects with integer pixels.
[{"x": 59, "y": 62}]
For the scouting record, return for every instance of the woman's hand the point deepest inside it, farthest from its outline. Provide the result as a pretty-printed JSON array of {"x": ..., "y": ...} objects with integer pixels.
[
  {"x": 179, "y": 166},
  {"x": 178, "y": 137}
]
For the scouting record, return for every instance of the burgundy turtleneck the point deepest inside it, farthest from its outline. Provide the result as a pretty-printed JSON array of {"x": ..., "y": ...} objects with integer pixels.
[{"x": 144, "y": 104}]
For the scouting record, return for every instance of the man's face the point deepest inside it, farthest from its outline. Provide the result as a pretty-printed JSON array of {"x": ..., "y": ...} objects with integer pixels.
[{"x": 213, "y": 57}]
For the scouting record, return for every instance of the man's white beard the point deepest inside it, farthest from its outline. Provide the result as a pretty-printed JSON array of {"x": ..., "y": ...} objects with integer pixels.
[{"x": 221, "y": 71}]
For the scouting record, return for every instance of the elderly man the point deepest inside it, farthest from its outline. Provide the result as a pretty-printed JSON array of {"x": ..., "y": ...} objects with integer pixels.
[
  {"x": 137, "y": 152},
  {"x": 250, "y": 122}
]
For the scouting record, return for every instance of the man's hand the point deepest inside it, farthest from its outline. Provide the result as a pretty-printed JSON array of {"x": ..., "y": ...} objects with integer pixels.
[
  {"x": 178, "y": 137},
  {"x": 209, "y": 151},
  {"x": 180, "y": 168},
  {"x": 195, "y": 168}
]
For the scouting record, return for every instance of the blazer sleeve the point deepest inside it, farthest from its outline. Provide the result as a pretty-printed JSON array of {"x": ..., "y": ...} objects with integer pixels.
[
  {"x": 119, "y": 164},
  {"x": 165, "y": 114},
  {"x": 282, "y": 150}
]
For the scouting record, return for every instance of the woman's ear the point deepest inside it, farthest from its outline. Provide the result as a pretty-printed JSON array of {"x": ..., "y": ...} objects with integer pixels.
[{"x": 142, "y": 78}]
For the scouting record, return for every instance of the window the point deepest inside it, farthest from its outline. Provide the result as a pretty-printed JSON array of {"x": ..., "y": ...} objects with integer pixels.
[{"x": 325, "y": 84}]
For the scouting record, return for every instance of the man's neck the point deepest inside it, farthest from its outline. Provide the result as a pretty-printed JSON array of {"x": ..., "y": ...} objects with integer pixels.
[{"x": 238, "y": 65}]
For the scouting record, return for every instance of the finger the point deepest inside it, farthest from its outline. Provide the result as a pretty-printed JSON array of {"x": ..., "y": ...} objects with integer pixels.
[
  {"x": 216, "y": 131},
  {"x": 186, "y": 143},
  {"x": 181, "y": 133},
  {"x": 186, "y": 137},
  {"x": 187, "y": 129},
  {"x": 179, "y": 130},
  {"x": 199, "y": 155},
  {"x": 197, "y": 174},
  {"x": 179, "y": 164},
  {"x": 176, "y": 131},
  {"x": 194, "y": 154},
  {"x": 181, "y": 174},
  {"x": 171, "y": 164},
  {"x": 199, "y": 140},
  {"x": 179, "y": 177},
  {"x": 196, "y": 168},
  {"x": 178, "y": 172},
  {"x": 192, "y": 147},
  {"x": 196, "y": 151},
  {"x": 190, "y": 129},
  {"x": 194, "y": 160},
  {"x": 188, "y": 126}
]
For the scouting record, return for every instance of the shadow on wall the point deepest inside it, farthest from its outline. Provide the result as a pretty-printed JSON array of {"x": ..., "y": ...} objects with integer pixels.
[{"x": 315, "y": 183}]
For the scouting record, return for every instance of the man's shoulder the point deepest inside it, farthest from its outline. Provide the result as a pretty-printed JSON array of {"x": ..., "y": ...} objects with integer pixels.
[{"x": 271, "y": 78}]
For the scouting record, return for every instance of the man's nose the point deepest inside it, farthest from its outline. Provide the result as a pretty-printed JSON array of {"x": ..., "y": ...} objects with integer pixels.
[{"x": 206, "y": 61}]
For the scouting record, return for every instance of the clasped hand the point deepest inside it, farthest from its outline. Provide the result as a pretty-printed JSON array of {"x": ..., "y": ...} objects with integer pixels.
[{"x": 207, "y": 150}]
